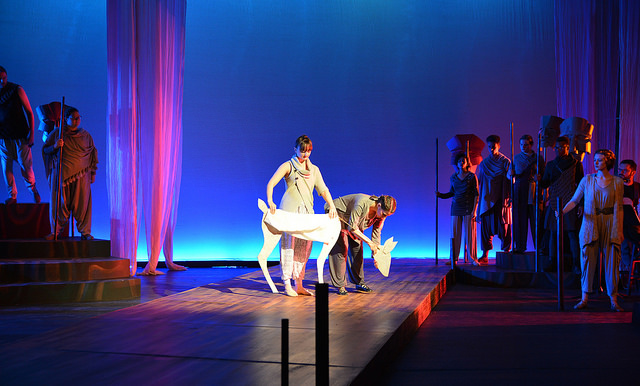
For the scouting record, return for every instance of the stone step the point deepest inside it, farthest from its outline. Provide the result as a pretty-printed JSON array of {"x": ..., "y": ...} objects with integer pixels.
[
  {"x": 69, "y": 292},
  {"x": 54, "y": 270},
  {"x": 518, "y": 261},
  {"x": 527, "y": 262},
  {"x": 62, "y": 249},
  {"x": 494, "y": 276}
]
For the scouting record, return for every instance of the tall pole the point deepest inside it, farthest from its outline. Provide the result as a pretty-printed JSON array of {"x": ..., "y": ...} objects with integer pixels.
[
  {"x": 284, "y": 371},
  {"x": 513, "y": 174},
  {"x": 560, "y": 254},
  {"x": 537, "y": 204},
  {"x": 59, "y": 180},
  {"x": 436, "y": 201},
  {"x": 468, "y": 252},
  {"x": 322, "y": 334}
]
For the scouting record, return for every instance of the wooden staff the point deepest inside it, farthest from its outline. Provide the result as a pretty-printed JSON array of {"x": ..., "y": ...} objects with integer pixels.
[
  {"x": 537, "y": 204},
  {"x": 437, "y": 201},
  {"x": 59, "y": 181},
  {"x": 513, "y": 175},
  {"x": 560, "y": 255},
  {"x": 467, "y": 154}
]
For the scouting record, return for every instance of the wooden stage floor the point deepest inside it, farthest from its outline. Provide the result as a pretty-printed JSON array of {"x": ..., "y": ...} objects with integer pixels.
[{"x": 229, "y": 333}]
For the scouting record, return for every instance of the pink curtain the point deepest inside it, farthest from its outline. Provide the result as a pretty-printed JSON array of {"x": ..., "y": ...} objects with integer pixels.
[
  {"x": 145, "y": 76},
  {"x": 587, "y": 58},
  {"x": 630, "y": 79},
  {"x": 122, "y": 136}
]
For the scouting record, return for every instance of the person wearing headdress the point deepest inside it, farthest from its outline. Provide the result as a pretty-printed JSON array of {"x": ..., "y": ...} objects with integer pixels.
[
  {"x": 548, "y": 133},
  {"x": 464, "y": 190},
  {"x": 549, "y": 130},
  {"x": 601, "y": 230},
  {"x": 494, "y": 208},
  {"x": 524, "y": 200},
  {"x": 579, "y": 132},
  {"x": 562, "y": 176},
  {"x": 77, "y": 170},
  {"x": 357, "y": 212},
  {"x": 16, "y": 137},
  {"x": 49, "y": 117}
]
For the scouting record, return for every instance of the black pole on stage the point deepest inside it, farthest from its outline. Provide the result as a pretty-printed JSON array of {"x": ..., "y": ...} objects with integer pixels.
[
  {"x": 560, "y": 254},
  {"x": 436, "y": 201},
  {"x": 285, "y": 353},
  {"x": 322, "y": 334}
]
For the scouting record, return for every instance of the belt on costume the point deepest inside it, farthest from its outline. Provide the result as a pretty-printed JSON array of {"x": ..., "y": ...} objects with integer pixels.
[{"x": 604, "y": 210}]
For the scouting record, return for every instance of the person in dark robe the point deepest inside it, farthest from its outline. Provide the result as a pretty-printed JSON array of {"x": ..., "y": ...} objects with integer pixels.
[{"x": 494, "y": 208}]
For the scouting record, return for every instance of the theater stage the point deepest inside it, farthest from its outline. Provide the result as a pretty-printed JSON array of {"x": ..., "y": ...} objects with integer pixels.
[{"x": 229, "y": 332}]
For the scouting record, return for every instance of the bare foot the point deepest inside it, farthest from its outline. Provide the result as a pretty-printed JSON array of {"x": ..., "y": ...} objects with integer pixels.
[
  {"x": 176, "y": 267},
  {"x": 304, "y": 292},
  {"x": 151, "y": 273}
]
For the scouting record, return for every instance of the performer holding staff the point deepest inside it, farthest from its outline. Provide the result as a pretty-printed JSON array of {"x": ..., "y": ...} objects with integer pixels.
[
  {"x": 464, "y": 190},
  {"x": 75, "y": 168},
  {"x": 526, "y": 173},
  {"x": 494, "y": 207}
]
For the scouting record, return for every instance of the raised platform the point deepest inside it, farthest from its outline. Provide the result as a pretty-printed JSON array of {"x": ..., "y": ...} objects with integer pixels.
[
  {"x": 25, "y": 221},
  {"x": 513, "y": 271},
  {"x": 519, "y": 261},
  {"x": 53, "y": 270},
  {"x": 68, "y": 270},
  {"x": 228, "y": 333},
  {"x": 66, "y": 248}
]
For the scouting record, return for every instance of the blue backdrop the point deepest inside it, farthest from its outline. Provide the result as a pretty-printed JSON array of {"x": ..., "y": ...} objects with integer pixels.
[{"x": 373, "y": 83}]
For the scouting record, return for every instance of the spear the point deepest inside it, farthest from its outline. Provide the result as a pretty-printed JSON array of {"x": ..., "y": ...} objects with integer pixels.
[
  {"x": 436, "y": 201},
  {"x": 59, "y": 180},
  {"x": 513, "y": 173},
  {"x": 537, "y": 204}
]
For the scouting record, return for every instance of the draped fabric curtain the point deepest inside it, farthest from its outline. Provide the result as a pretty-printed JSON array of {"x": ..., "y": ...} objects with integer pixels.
[
  {"x": 574, "y": 62},
  {"x": 630, "y": 79},
  {"x": 597, "y": 60},
  {"x": 145, "y": 76},
  {"x": 122, "y": 115},
  {"x": 587, "y": 58}
]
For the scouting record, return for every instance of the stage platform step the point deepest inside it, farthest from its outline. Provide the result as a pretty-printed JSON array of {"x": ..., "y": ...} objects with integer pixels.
[
  {"x": 69, "y": 291},
  {"x": 496, "y": 276},
  {"x": 49, "y": 270},
  {"x": 18, "y": 249},
  {"x": 37, "y": 271},
  {"x": 518, "y": 261}
]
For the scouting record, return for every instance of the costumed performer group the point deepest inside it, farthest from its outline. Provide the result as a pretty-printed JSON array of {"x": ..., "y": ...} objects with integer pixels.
[
  {"x": 75, "y": 166},
  {"x": 518, "y": 191}
]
